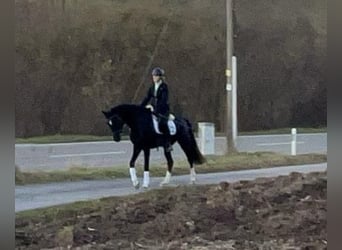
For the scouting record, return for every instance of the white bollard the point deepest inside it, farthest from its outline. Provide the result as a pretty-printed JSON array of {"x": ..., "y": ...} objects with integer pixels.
[
  {"x": 293, "y": 141},
  {"x": 206, "y": 134}
]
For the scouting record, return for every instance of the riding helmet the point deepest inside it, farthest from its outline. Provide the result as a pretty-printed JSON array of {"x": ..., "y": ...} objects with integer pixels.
[{"x": 158, "y": 72}]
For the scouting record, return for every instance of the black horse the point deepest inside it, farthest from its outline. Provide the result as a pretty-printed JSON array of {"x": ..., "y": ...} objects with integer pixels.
[{"x": 144, "y": 138}]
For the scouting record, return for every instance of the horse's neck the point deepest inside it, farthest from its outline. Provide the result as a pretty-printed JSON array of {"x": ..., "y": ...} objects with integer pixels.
[{"x": 127, "y": 114}]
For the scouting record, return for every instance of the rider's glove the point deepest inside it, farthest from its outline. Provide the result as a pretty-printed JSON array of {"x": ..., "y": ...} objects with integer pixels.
[{"x": 150, "y": 107}]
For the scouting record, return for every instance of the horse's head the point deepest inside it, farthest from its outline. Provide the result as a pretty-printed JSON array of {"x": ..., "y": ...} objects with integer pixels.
[{"x": 115, "y": 123}]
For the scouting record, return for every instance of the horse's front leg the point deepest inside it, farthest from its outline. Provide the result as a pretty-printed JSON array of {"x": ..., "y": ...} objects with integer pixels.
[
  {"x": 169, "y": 159},
  {"x": 146, "y": 183},
  {"x": 132, "y": 172},
  {"x": 192, "y": 175}
]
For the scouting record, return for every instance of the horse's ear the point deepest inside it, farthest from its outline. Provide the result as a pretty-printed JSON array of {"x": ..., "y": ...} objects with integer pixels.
[{"x": 106, "y": 114}]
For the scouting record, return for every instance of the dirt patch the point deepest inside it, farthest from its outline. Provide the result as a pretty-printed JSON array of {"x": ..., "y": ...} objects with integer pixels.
[{"x": 287, "y": 212}]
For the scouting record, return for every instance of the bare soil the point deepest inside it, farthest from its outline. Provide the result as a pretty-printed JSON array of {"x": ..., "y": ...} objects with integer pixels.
[{"x": 286, "y": 212}]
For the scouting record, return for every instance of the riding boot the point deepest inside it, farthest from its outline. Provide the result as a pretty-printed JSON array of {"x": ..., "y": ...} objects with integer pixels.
[
  {"x": 168, "y": 145},
  {"x": 167, "y": 136}
]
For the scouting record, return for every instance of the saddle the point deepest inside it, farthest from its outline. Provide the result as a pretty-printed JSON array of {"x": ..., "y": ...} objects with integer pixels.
[{"x": 170, "y": 123}]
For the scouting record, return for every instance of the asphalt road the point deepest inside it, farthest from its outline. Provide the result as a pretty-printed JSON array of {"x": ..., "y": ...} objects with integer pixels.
[
  {"x": 109, "y": 154},
  {"x": 45, "y": 195}
]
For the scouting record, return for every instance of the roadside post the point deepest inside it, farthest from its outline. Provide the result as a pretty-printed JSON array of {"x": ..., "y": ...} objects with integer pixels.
[
  {"x": 206, "y": 134},
  {"x": 293, "y": 141}
]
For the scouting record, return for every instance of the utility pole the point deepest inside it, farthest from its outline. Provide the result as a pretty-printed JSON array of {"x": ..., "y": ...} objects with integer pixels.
[{"x": 229, "y": 130}]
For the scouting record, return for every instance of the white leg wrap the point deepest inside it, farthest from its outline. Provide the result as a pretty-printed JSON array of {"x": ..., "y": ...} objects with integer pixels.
[
  {"x": 192, "y": 175},
  {"x": 146, "y": 179},
  {"x": 134, "y": 178},
  {"x": 166, "y": 179},
  {"x": 133, "y": 174}
]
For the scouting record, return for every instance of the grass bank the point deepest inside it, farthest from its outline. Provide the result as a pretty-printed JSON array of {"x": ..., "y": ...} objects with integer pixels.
[
  {"x": 238, "y": 161},
  {"x": 62, "y": 139},
  {"x": 87, "y": 138}
]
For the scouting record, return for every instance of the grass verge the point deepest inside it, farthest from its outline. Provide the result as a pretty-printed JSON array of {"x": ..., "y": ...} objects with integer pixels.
[
  {"x": 79, "y": 208},
  {"x": 87, "y": 138},
  {"x": 62, "y": 139},
  {"x": 238, "y": 161}
]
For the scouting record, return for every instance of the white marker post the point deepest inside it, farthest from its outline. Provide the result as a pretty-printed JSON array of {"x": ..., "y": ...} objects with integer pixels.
[
  {"x": 294, "y": 141},
  {"x": 234, "y": 101},
  {"x": 206, "y": 134}
]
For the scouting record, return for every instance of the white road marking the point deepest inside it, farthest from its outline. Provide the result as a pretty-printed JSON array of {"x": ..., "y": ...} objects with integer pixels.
[
  {"x": 280, "y": 135},
  {"x": 87, "y": 154},
  {"x": 277, "y": 143},
  {"x": 67, "y": 143}
]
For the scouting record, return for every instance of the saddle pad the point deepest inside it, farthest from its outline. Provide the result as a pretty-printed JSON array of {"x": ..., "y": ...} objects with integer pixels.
[{"x": 170, "y": 124}]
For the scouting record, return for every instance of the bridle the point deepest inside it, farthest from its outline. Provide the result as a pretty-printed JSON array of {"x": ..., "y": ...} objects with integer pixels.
[{"x": 111, "y": 123}]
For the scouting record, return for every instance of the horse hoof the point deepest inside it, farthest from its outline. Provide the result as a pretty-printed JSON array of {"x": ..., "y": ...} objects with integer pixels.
[
  {"x": 192, "y": 182},
  {"x": 136, "y": 185},
  {"x": 164, "y": 184},
  {"x": 145, "y": 187}
]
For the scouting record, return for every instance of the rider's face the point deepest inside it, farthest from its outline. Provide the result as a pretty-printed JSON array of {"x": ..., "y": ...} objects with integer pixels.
[{"x": 156, "y": 78}]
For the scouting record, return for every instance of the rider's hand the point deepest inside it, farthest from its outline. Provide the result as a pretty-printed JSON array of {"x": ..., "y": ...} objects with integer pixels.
[{"x": 149, "y": 106}]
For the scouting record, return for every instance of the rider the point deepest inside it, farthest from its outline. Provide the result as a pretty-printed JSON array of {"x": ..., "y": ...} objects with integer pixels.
[{"x": 158, "y": 94}]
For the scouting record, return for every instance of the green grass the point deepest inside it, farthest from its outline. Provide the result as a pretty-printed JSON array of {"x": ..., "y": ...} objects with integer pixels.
[
  {"x": 83, "y": 208},
  {"x": 58, "y": 212},
  {"x": 62, "y": 138},
  {"x": 86, "y": 138},
  {"x": 237, "y": 161}
]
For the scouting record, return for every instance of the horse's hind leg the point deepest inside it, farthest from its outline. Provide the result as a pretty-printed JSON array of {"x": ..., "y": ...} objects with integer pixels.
[
  {"x": 169, "y": 159},
  {"x": 185, "y": 144},
  {"x": 192, "y": 175},
  {"x": 132, "y": 172},
  {"x": 146, "y": 168}
]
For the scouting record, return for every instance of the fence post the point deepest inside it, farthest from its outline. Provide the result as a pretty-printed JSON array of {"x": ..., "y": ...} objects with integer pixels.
[{"x": 293, "y": 141}]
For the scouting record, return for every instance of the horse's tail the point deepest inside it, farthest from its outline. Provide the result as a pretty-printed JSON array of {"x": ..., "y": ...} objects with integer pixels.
[{"x": 197, "y": 156}]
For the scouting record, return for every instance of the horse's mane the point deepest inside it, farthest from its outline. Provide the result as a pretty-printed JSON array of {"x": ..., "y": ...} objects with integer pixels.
[{"x": 127, "y": 108}]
